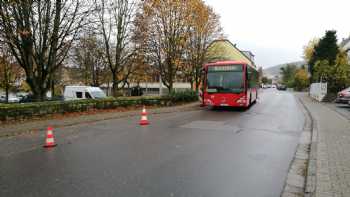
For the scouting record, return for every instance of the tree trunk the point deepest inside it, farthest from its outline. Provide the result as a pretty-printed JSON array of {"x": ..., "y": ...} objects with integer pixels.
[
  {"x": 114, "y": 85},
  {"x": 38, "y": 89},
  {"x": 170, "y": 87},
  {"x": 52, "y": 88},
  {"x": 192, "y": 83},
  {"x": 7, "y": 93},
  {"x": 198, "y": 82},
  {"x": 197, "y": 87}
]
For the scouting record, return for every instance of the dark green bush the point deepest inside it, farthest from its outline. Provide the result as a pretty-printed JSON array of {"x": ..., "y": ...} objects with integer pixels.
[
  {"x": 185, "y": 96},
  {"x": 40, "y": 109}
]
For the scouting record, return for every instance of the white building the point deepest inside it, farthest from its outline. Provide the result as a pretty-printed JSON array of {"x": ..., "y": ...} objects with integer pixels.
[
  {"x": 345, "y": 45},
  {"x": 150, "y": 89}
]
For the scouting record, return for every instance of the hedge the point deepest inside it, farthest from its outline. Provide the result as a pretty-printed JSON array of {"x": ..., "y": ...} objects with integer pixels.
[{"x": 10, "y": 112}]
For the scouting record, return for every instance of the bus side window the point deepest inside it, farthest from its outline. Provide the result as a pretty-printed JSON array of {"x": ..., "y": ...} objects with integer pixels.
[{"x": 250, "y": 77}]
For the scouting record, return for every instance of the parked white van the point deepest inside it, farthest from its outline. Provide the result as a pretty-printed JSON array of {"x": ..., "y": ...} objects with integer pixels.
[{"x": 83, "y": 92}]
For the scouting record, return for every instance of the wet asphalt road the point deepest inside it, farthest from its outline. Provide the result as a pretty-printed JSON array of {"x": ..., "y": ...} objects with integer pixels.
[{"x": 198, "y": 153}]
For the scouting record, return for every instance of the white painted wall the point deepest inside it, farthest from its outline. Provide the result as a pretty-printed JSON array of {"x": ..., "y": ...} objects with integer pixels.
[{"x": 318, "y": 91}]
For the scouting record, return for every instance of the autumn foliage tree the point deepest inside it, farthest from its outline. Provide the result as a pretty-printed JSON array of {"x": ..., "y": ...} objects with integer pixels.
[
  {"x": 337, "y": 75},
  {"x": 288, "y": 75},
  {"x": 309, "y": 50},
  {"x": 204, "y": 27},
  {"x": 326, "y": 49},
  {"x": 174, "y": 34},
  {"x": 328, "y": 63},
  {"x": 301, "y": 79},
  {"x": 10, "y": 72},
  {"x": 162, "y": 32},
  {"x": 39, "y": 34}
]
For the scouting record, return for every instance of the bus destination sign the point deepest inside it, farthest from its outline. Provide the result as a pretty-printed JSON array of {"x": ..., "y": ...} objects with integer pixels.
[{"x": 225, "y": 68}]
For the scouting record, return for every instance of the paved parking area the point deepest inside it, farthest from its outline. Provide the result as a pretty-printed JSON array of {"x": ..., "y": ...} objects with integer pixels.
[{"x": 342, "y": 109}]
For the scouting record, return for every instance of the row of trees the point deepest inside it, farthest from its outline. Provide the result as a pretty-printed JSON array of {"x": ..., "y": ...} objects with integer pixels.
[
  {"x": 295, "y": 77},
  {"x": 106, "y": 40},
  {"x": 328, "y": 62}
]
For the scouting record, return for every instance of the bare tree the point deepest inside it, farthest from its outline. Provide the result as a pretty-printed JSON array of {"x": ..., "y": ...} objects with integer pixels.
[
  {"x": 39, "y": 34},
  {"x": 90, "y": 60},
  {"x": 115, "y": 18}
]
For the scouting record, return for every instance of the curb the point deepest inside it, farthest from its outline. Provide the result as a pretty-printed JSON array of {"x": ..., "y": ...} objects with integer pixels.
[
  {"x": 301, "y": 175},
  {"x": 310, "y": 190}
]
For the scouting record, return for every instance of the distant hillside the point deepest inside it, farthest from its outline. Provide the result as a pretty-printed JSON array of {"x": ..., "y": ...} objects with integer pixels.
[{"x": 275, "y": 70}]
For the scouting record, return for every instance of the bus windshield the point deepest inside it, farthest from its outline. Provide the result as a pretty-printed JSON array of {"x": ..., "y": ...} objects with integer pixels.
[{"x": 225, "y": 79}]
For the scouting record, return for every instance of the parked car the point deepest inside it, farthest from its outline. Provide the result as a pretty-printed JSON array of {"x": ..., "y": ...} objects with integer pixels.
[
  {"x": 27, "y": 98},
  {"x": 281, "y": 87},
  {"x": 83, "y": 92},
  {"x": 2, "y": 98},
  {"x": 11, "y": 99},
  {"x": 267, "y": 86},
  {"x": 343, "y": 96}
]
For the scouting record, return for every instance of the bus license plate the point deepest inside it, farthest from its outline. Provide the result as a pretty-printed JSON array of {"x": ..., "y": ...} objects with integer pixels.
[{"x": 223, "y": 104}]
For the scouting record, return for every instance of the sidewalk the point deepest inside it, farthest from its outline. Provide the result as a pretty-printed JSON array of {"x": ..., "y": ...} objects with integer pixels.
[
  {"x": 331, "y": 135},
  {"x": 33, "y": 126}
]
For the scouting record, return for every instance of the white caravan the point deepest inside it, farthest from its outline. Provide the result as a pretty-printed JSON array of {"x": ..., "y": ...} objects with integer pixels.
[{"x": 83, "y": 92}]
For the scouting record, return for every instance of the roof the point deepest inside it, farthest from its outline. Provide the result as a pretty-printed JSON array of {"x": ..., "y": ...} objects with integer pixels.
[
  {"x": 225, "y": 63},
  {"x": 249, "y": 52},
  {"x": 224, "y": 50},
  {"x": 219, "y": 63}
]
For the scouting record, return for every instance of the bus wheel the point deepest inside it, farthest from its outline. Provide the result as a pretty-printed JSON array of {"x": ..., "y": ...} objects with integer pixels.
[{"x": 250, "y": 101}]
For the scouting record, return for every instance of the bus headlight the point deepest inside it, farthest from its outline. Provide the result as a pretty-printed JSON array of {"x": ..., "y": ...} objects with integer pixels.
[
  {"x": 208, "y": 101},
  {"x": 242, "y": 100}
]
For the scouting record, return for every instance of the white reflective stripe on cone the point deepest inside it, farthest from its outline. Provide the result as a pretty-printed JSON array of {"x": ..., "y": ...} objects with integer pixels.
[{"x": 144, "y": 118}]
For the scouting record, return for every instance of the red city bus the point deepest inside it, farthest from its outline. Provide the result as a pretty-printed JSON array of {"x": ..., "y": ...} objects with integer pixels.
[{"x": 229, "y": 83}]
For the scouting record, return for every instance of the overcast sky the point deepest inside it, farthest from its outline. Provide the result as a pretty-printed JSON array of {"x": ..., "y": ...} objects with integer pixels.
[{"x": 276, "y": 30}]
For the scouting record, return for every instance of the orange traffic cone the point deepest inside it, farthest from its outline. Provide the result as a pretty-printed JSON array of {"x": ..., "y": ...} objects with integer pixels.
[
  {"x": 50, "y": 141},
  {"x": 144, "y": 112},
  {"x": 144, "y": 120}
]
